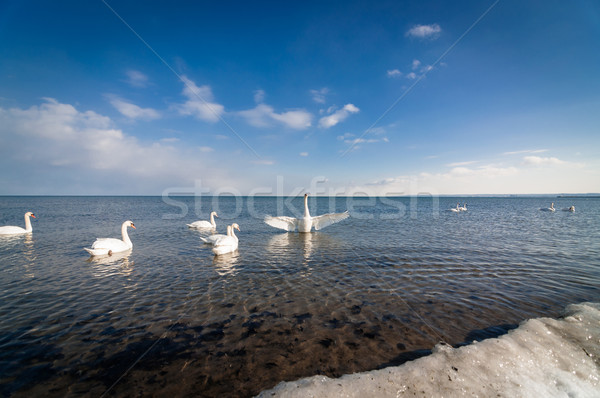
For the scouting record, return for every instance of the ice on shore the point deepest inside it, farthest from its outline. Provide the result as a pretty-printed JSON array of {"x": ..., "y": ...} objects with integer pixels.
[{"x": 541, "y": 358}]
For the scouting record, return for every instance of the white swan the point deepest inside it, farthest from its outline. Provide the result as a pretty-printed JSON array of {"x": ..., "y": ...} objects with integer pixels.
[
  {"x": 205, "y": 224},
  {"x": 12, "y": 230},
  {"x": 228, "y": 243},
  {"x": 456, "y": 209},
  {"x": 213, "y": 238},
  {"x": 551, "y": 208},
  {"x": 305, "y": 224},
  {"x": 104, "y": 246},
  {"x": 571, "y": 209},
  {"x": 463, "y": 208}
]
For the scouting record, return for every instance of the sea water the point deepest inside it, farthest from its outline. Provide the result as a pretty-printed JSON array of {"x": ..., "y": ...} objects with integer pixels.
[{"x": 385, "y": 286}]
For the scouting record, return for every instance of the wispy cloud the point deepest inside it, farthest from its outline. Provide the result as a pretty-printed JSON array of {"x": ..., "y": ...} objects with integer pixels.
[
  {"x": 394, "y": 73},
  {"x": 205, "y": 149},
  {"x": 136, "y": 79},
  {"x": 259, "y": 96},
  {"x": 200, "y": 102},
  {"x": 264, "y": 115},
  {"x": 319, "y": 95},
  {"x": 338, "y": 116},
  {"x": 133, "y": 111},
  {"x": 525, "y": 151},
  {"x": 263, "y": 162},
  {"x": 304, "y": 154},
  {"x": 424, "y": 31},
  {"x": 457, "y": 164}
]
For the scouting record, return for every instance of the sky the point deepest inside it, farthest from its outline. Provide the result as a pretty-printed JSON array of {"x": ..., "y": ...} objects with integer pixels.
[{"x": 281, "y": 98}]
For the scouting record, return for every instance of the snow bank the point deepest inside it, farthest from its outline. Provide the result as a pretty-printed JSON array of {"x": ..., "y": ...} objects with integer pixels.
[{"x": 541, "y": 358}]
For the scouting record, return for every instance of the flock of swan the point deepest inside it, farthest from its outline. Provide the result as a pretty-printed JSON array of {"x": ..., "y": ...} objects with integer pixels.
[
  {"x": 552, "y": 209},
  {"x": 221, "y": 243}
]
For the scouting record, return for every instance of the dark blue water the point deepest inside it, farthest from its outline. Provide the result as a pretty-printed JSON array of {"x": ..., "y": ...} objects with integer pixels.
[{"x": 169, "y": 318}]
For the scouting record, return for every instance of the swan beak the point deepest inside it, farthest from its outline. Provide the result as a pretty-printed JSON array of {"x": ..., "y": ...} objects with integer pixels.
[
  {"x": 216, "y": 215},
  {"x": 238, "y": 228},
  {"x": 33, "y": 216},
  {"x": 133, "y": 226}
]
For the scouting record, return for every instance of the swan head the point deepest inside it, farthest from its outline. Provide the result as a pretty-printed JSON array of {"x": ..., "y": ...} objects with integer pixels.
[
  {"x": 130, "y": 224},
  {"x": 234, "y": 225},
  {"x": 214, "y": 213},
  {"x": 29, "y": 214}
]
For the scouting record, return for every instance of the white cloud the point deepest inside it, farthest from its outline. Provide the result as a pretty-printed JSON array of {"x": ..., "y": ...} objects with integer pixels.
[
  {"x": 338, "y": 116},
  {"x": 394, "y": 73},
  {"x": 415, "y": 64},
  {"x": 205, "y": 149},
  {"x": 263, "y": 115},
  {"x": 304, "y": 154},
  {"x": 411, "y": 75},
  {"x": 541, "y": 161},
  {"x": 199, "y": 103},
  {"x": 85, "y": 151},
  {"x": 424, "y": 31},
  {"x": 319, "y": 95},
  {"x": 133, "y": 111},
  {"x": 137, "y": 78}
]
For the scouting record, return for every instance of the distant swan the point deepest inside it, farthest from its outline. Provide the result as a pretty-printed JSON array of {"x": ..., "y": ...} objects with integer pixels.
[
  {"x": 456, "y": 209},
  {"x": 205, "y": 224},
  {"x": 571, "y": 209},
  {"x": 104, "y": 246},
  {"x": 463, "y": 208},
  {"x": 551, "y": 208},
  {"x": 305, "y": 224},
  {"x": 213, "y": 238},
  {"x": 12, "y": 230},
  {"x": 228, "y": 243}
]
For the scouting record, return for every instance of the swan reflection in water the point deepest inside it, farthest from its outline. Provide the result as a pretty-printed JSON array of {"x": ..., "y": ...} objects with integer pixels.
[
  {"x": 227, "y": 264},
  {"x": 107, "y": 265}
]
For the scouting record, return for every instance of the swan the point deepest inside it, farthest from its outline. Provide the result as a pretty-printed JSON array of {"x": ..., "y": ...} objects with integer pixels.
[
  {"x": 305, "y": 224},
  {"x": 228, "y": 243},
  {"x": 571, "y": 209},
  {"x": 456, "y": 209},
  {"x": 213, "y": 238},
  {"x": 205, "y": 224},
  {"x": 103, "y": 246},
  {"x": 463, "y": 208},
  {"x": 551, "y": 208},
  {"x": 12, "y": 230}
]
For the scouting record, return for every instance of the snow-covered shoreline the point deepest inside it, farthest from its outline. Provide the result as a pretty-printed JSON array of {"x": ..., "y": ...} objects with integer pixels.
[{"x": 543, "y": 357}]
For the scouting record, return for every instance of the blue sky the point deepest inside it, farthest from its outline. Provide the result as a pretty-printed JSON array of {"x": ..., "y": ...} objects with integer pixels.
[{"x": 390, "y": 97}]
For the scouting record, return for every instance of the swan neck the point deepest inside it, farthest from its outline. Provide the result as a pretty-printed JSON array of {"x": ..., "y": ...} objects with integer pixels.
[
  {"x": 233, "y": 233},
  {"x": 229, "y": 229},
  {"x": 212, "y": 219},
  {"x": 125, "y": 235},
  {"x": 28, "y": 226},
  {"x": 306, "y": 213}
]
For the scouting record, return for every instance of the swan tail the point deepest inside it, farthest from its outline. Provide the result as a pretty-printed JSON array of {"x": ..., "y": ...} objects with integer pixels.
[
  {"x": 285, "y": 223},
  {"x": 98, "y": 252},
  {"x": 326, "y": 220}
]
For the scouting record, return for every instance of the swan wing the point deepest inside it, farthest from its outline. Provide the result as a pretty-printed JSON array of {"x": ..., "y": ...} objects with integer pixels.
[
  {"x": 11, "y": 230},
  {"x": 326, "y": 220},
  {"x": 113, "y": 244},
  {"x": 212, "y": 239},
  {"x": 200, "y": 224},
  {"x": 282, "y": 222}
]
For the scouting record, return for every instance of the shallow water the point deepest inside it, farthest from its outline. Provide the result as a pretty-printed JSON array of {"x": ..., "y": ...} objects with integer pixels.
[{"x": 379, "y": 288}]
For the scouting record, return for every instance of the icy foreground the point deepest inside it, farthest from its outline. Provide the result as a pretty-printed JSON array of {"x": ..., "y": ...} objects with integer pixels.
[{"x": 541, "y": 358}]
